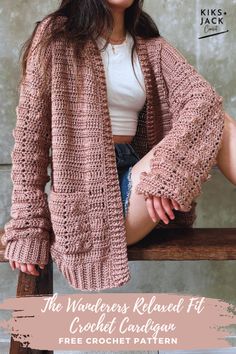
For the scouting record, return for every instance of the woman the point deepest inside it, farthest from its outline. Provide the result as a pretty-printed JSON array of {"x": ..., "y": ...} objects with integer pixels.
[{"x": 143, "y": 210}]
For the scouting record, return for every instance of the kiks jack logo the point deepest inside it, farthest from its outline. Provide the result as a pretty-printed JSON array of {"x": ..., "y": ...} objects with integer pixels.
[{"x": 212, "y": 22}]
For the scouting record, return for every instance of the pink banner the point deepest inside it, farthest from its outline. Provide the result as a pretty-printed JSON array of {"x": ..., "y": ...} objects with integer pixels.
[{"x": 133, "y": 321}]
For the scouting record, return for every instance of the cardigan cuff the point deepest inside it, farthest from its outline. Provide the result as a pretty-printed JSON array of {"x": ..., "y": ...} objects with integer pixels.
[
  {"x": 170, "y": 183},
  {"x": 28, "y": 250}
]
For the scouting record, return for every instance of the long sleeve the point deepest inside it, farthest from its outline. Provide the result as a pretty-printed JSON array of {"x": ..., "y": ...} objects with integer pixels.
[
  {"x": 184, "y": 157},
  {"x": 27, "y": 234}
]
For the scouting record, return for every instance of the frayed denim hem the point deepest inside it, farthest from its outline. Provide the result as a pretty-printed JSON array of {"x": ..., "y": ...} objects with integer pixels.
[{"x": 127, "y": 196}]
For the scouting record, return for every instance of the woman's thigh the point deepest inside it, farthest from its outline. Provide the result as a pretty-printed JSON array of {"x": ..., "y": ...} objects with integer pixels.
[{"x": 138, "y": 222}]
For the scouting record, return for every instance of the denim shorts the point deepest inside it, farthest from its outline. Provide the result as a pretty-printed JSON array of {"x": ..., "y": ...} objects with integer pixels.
[{"x": 126, "y": 157}]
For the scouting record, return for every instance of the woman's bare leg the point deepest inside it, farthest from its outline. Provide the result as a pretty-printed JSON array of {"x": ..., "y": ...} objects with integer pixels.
[
  {"x": 138, "y": 222},
  {"x": 226, "y": 158}
]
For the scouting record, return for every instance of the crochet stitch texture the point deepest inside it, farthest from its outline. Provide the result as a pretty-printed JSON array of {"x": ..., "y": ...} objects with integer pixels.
[{"x": 81, "y": 222}]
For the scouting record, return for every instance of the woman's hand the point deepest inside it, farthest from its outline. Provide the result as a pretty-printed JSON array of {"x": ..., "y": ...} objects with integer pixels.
[
  {"x": 26, "y": 267},
  {"x": 161, "y": 207}
]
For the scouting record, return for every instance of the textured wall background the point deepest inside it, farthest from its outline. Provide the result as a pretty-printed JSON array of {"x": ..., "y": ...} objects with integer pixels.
[{"x": 214, "y": 57}]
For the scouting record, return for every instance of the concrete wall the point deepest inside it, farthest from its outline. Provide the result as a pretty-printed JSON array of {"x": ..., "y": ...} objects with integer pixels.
[{"x": 179, "y": 22}]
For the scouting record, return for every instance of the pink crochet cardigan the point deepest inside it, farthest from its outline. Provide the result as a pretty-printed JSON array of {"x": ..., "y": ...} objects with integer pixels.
[{"x": 80, "y": 223}]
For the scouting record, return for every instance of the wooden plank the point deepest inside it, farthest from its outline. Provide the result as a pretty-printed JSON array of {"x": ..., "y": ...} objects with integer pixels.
[
  {"x": 186, "y": 244},
  {"x": 182, "y": 244}
]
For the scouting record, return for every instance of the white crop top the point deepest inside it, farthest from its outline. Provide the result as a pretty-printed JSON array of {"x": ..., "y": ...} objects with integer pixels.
[{"x": 125, "y": 96}]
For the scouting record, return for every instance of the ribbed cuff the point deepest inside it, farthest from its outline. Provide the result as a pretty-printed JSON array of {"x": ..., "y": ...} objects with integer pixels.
[{"x": 28, "y": 250}]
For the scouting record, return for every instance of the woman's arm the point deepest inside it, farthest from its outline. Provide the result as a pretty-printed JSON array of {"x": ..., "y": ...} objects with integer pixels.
[
  {"x": 27, "y": 233},
  {"x": 183, "y": 158}
]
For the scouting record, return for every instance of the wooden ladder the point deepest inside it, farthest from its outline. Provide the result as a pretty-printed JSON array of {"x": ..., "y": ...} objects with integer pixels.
[{"x": 193, "y": 244}]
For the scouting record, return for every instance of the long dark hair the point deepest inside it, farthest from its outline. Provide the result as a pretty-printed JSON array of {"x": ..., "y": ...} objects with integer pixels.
[{"x": 88, "y": 19}]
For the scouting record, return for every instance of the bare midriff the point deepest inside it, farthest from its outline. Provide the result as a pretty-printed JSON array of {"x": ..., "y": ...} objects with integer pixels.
[{"x": 122, "y": 139}]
